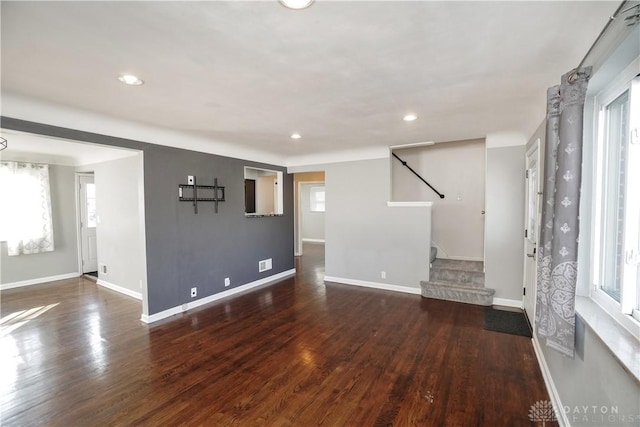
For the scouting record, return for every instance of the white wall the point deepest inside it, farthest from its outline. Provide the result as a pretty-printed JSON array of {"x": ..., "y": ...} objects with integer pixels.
[
  {"x": 64, "y": 259},
  {"x": 265, "y": 193},
  {"x": 505, "y": 185},
  {"x": 455, "y": 169},
  {"x": 364, "y": 236},
  {"x": 119, "y": 235},
  {"x": 312, "y": 222}
]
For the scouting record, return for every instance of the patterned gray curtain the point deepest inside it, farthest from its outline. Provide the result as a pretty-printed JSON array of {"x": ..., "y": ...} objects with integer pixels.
[{"x": 558, "y": 248}]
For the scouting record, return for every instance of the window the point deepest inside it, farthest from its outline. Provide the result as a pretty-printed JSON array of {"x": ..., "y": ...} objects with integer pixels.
[
  {"x": 92, "y": 214},
  {"x": 316, "y": 196},
  {"x": 616, "y": 237},
  {"x": 25, "y": 222}
]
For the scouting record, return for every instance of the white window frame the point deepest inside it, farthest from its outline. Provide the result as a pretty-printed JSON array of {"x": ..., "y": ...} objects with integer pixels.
[{"x": 624, "y": 312}]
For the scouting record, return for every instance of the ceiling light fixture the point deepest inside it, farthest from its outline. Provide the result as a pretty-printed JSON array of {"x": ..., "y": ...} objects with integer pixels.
[
  {"x": 296, "y": 4},
  {"x": 130, "y": 79},
  {"x": 409, "y": 117},
  {"x": 295, "y": 136}
]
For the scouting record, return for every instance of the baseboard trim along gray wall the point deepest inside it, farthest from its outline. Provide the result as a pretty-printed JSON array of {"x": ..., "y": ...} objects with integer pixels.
[
  {"x": 185, "y": 249},
  {"x": 202, "y": 301}
]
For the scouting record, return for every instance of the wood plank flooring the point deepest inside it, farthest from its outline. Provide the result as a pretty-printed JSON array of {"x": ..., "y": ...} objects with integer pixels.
[{"x": 296, "y": 353}]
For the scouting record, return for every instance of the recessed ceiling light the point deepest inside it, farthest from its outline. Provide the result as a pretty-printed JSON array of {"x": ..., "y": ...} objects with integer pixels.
[
  {"x": 296, "y": 4},
  {"x": 130, "y": 79},
  {"x": 409, "y": 117},
  {"x": 295, "y": 136}
]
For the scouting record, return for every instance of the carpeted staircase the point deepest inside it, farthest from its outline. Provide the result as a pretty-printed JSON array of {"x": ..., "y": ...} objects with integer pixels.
[{"x": 454, "y": 280}]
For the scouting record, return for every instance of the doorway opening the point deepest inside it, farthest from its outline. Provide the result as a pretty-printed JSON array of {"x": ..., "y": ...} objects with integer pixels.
[
  {"x": 87, "y": 222},
  {"x": 309, "y": 209},
  {"x": 110, "y": 209}
]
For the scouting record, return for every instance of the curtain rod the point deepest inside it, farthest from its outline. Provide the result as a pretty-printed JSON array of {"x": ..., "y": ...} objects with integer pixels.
[{"x": 619, "y": 11}]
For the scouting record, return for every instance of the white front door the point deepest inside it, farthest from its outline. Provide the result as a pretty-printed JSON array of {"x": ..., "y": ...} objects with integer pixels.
[
  {"x": 532, "y": 218},
  {"x": 88, "y": 223}
]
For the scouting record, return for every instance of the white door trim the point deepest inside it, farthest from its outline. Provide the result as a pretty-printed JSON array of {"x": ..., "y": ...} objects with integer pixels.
[
  {"x": 79, "y": 216},
  {"x": 534, "y": 150}
]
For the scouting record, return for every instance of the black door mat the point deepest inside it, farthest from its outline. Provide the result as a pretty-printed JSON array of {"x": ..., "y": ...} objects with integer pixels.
[{"x": 508, "y": 322}]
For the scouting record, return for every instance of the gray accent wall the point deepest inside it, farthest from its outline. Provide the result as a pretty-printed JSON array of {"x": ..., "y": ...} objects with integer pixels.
[
  {"x": 64, "y": 259},
  {"x": 364, "y": 236},
  {"x": 184, "y": 249},
  {"x": 505, "y": 221},
  {"x": 312, "y": 222}
]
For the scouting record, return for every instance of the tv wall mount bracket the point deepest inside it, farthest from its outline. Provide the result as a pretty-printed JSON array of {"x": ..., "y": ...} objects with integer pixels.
[{"x": 194, "y": 193}]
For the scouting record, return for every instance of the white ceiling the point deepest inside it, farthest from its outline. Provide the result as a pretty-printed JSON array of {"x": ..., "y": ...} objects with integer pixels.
[
  {"x": 25, "y": 147},
  {"x": 341, "y": 73}
]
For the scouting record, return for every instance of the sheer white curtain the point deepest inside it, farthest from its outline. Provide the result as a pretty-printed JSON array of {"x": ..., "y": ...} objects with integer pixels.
[{"x": 25, "y": 194}]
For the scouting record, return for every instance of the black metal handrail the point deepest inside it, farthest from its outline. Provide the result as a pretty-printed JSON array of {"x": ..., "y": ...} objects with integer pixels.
[{"x": 417, "y": 174}]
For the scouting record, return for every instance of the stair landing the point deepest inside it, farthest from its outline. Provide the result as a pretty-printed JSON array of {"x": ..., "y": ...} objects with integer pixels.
[{"x": 454, "y": 280}]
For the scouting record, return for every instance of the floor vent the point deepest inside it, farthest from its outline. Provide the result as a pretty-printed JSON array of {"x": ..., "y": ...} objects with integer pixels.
[{"x": 264, "y": 265}]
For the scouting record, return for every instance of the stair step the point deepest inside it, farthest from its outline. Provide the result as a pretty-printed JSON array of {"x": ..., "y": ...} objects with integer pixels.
[
  {"x": 439, "y": 274},
  {"x": 457, "y": 271},
  {"x": 454, "y": 264},
  {"x": 459, "y": 292}
]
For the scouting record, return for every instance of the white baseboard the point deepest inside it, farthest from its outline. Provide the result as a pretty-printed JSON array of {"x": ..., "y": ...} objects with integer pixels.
[
  {"x": 38, "y": 281},
  {"x": 313, "y": 240},
  {"x": 197, "y": 303},
  {"x": 374, "y": 285},
  {"x": 129, "y": 292},
  {"x": 563, "y": 421},
  {"x": 507, "y": 302}
]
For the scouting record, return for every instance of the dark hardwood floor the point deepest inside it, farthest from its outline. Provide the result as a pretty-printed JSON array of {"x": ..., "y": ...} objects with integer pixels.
[{"x": 296, "y": 353}]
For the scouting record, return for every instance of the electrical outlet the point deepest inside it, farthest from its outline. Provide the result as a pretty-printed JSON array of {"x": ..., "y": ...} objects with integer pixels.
[
  {"x": 383, "y": 274},
  {"x": 190, "y": 179},
  {"x": 194, "y": 292},
  {"x": 227, "y": 282},
  {"x": 103, "y": 268},
  {"x": 265, "y": 264}
]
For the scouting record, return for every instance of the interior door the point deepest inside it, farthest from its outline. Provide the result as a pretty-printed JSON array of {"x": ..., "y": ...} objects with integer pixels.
[
  {"x": 88, "y": 223},
  {"x": 532, "y": 218}
]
